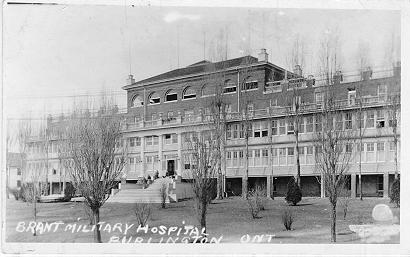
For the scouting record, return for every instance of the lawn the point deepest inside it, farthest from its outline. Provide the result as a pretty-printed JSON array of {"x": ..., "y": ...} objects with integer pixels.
[{"x": 228, "y": 218}]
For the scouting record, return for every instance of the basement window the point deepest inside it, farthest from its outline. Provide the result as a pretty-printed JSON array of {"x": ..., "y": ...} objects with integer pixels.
[{"x": 189, "y": 93}]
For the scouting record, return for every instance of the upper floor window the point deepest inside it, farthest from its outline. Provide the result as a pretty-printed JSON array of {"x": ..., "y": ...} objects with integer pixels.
[
  {"x": 188, "y": 93},
  {"x": 151, "y": 140},
  {"x": 260, "y": 129},
  {"x": 170, "y": 139},
  {"x": 370, "y": 119},
  {"x": 171, "y": 96},
  {"x": 351, "y": 97},
  {"x": 249, "y": 85},
  {"x": 134, "y": 141},
  {"x": 154, "y": 98},
  {"x": 208, "y": 90},
  {"x": 137, "y": 101},
  {"x": 230, "y": 87},
  {"x": 380, "y": 123}
]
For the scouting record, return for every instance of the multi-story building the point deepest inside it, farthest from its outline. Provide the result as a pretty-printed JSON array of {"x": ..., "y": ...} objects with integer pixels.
[{"x": 164, "y": 108}]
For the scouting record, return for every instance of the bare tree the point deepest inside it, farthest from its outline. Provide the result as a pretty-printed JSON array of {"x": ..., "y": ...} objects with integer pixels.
[
  {"x": 247, "y": 112},
  {"x": 203, "y": 166},
  {"x": 30, "y": 177},
  {"x": 333, "y": 151},
  {"x": 394, "y": 118},
  {"x": 97, "y": 157}
]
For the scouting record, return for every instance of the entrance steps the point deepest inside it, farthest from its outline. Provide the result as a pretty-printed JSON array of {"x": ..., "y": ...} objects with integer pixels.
[{"x": 132, "y": 193}]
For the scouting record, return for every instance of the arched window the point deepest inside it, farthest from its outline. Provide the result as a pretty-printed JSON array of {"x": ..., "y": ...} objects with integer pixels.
[
  {"x": 137, "y": 101},
  {"x": 154, "y": 98},
  {"x": 171, "y": 96},
  {"x": 208, "y": 90},
  {"x": 229, "y": 87},
  {"x": 189, "y": 93},
  {"x": 250, "y": 84}
]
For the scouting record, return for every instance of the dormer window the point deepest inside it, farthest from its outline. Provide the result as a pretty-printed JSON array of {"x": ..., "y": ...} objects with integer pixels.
[
  {"x": 189, "y": 93},
  {"x": 154, "y": 98}
]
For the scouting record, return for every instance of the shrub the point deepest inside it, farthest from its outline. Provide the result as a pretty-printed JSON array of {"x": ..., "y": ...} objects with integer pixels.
[
  {"x": 143, "y": 213},
  {"x": 69, "y": 192},
  {"x": 16, "y": 193},
  {"x": 294, "y": 194},
  {"x": 287, "y": 219},
  {"x": 27, "y": 192},
  {"x": 164, "y": 194},
  {"x": 395, "y": 192},
  {"x": 260, "y": 197},
  {"x": 253, "y": 205}
]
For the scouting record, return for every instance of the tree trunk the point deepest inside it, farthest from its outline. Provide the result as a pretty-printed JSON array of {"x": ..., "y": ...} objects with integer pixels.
[
  {"x": 333, "y": 223},
  {"x": 34, "y": 206},
  {"x": 203, "y": 216},
  {"x": 97, "y": 233},
  {"x": 297, "y": 156},
  {"x": 360, "y": 164},
  {"x": 396, "y": 170},
  {"x": 245, "y": 175}
]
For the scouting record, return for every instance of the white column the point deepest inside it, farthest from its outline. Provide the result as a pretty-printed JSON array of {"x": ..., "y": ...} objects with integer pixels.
[
  {"x": 386, "y": 185},
  {"x": 179, "y": 171},
  {"x": 353, "y": 185},
  {"x": 144, "y": 173},
  {"x": 160, "y": 157},
  {"x": 322, "y": 186}
]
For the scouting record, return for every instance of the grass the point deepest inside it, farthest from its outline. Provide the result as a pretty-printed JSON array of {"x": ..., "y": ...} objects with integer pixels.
[{"x": 229, "y": 218}]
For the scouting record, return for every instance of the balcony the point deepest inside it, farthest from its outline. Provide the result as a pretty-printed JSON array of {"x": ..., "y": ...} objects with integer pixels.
[{"x": 272, "y": 111}]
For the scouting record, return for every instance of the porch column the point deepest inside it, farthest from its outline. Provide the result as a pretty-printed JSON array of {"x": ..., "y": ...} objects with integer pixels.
[
  {"x": 353, "y": 185},
  {"x": 143, "y": 172},
  {"x": 322, "y": 186},
  {"x": 160, "y": 159},
  {"x": 179, "y": 159},
  {"x": 269, "y": 188},
  {"x": 386, "y": 185}
]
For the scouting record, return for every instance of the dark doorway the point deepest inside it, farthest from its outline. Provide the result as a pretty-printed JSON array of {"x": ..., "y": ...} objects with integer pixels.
[{"x": 170, "y": 167}]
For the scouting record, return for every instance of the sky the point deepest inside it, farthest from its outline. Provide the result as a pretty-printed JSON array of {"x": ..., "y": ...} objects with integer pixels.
[{"x": 55, "y": 55}]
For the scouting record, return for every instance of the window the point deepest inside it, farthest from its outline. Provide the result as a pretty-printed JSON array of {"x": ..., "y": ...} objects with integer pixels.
[
  {"x": 189, "y": 93},
  {"x": 380, "y": 123},
  {"x": 370, "y": 119},
  {"x": 301, "y": 125},
  {"x": 250, "y": 108},
  {"x": 382, "y": 90},
  {"x": 154, "y": 98},
  {"x": 301, "y": 150},
  {"x": 348, "y": 120},
  {"x": 235, "y": 131},
  {"x": 282, "y": 127},
  {"x": 18, "y": 183},
  {"x": 339, "y": 122},
  {"x": 370, "y": 147},
  {"x": 351, "y": 97},
  {"x": 360, "y": 147},
  {"x": 392, "y": 146},
  {"x": 229, "y": 131},
  {"x": 309, "y": 150},
  {"x": 309, "y": 124},
  {"x": 291, "y": 128},
  {"x": 265, "y": 157},
  {"x": 274, "y": 127},
  {"x": 348, "y": 148},
  {"x": 151, "y": 140},
  {"x": 229, "y": 87},
  {"x": 260, "y": 129},
  {"x": 360, "y": 120},
  {"x": 318, "y": 124},
  {"x": 291, "y": 151},
  {"x": 319, "y": 98},
  {"x": 273, "y": 102},
  {"x": 137, "y": 101},
  {"x": 208, "y": 90},
  {"x": 170, "y": 139},
  {"x": 171, "y": 96},
  {"x": 249, "y": 85},
  {"x": 134, "y": 141},
  {"x": 380, "y": 146},
  {"x": 54, "y": 171},
  {"x": 18, "y": 171}
]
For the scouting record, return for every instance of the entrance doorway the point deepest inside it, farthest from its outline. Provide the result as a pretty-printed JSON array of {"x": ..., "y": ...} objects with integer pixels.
[{"x": 170, "y": 168}]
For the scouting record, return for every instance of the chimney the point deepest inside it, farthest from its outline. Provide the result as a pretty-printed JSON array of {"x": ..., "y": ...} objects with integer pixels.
[
  {"x": 397, "y": 69},
  {"x": 263, "y": 55},
  {"x": 367, "y": 74},
  {"x": 338, "y": 77},
  {"x": 298, "y": 70},
  {"x": 130, "y": 80}
]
